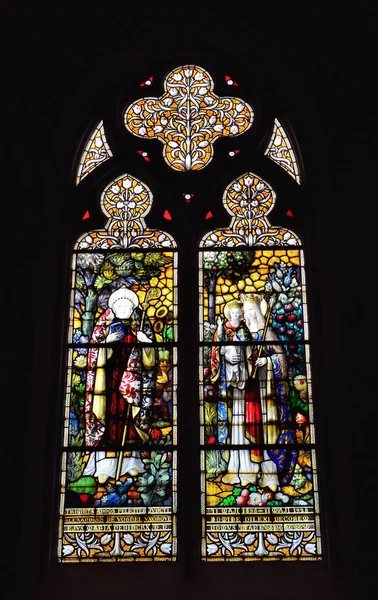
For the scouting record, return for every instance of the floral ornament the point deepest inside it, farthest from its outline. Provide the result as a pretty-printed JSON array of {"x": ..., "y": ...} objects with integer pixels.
[
  {"x": 118, "y": 545},
  {"x": 297, "y": 542},
  {"x": 188, "y": 118},
  {"x": 151, "y": 542},
  {"x": 125, "y": 201},
  {"x": 96, "y": 152},
  {"x": 260, "y": 544},
  {"x": 80, "y": 361},
  {"x": 249, "y": 199},
  {"x": 227, "y": 543},
  {"x": 281, "y": 151},
  {"x": 80, "y": 543}
]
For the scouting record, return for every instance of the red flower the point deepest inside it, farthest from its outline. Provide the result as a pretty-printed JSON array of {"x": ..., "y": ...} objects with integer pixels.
[
  {"x": 208, "y": 391},
  {"x": 155, "y": 434},
  {"x": 212, "y": 439},
  {"x": 300, "y": 419}
]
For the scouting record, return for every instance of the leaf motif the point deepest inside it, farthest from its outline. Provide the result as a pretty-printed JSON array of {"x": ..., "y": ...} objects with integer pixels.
[
  {"x": 68, "y": 549},
  {"x": 128, "y": 538},
  {"x": 157, "y": 461},
  {"x": 105, "y": 539},
  {"x": 166, "y": 548},
  {"x": 152, "y": 544},
  {"x": 272, "y": 539},
  {"x": 310, "y": 548},
  {"x": 147, "y": 497},
  {"x": 211, "y": 549},
  {"x": 296, "y": 545},
  {"x": 250, "y": 538},
  {"x": 142, "y": 481},
  {"x": 226, "y": 544},
  {"x": 163, "y": 478},
  {"x": 79, "y": 281},
  {"x": 100, "y": 281}
]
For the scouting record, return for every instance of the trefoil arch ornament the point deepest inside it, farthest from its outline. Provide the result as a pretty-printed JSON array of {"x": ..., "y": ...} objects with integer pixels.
[{"x": 125, "y": 201}]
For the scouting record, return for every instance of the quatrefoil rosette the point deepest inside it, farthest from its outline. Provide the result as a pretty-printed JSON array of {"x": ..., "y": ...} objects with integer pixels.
[{"x": 188, "y": 118}]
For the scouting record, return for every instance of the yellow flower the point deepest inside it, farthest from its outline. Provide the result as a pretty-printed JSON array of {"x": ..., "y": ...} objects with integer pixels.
[{"x": 80, "y": 362}]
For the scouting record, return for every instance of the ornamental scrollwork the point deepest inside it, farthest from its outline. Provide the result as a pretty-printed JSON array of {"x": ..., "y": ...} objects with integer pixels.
[
  {"x": 96, "y": 152},
  {"x": 188, "y": 118},
  {"x": 125, "y": 201},
  {"x": 259, "y": 544},
  {"x": 118, "y": 545},
  {"x": 281, "y": 151},
  {"x": 249, "y": 199}
]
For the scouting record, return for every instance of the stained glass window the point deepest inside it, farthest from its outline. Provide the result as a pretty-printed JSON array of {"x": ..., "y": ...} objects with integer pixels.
[
  {"x": 118, "y": 484},
  {"x": 257, "y": 455},
  {"x": 258, "y": 461}
]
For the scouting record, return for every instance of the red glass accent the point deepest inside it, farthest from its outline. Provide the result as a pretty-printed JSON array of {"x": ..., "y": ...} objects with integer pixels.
[
  {"x": 289, "y": 213},
  {"x": 144, "y": 155},
  {"x": 209, "y": 215},
  {"x": 147, "y": 82},
  {"x": 188, "y": 197},
  {"x": 167, "y": 215},
  {"x": 230, "y": 81},
  {"x": 86, "y": 216}
]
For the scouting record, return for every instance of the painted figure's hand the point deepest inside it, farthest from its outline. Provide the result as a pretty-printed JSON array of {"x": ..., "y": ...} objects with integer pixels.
[
  {"x": 220, "y": 325},
  {"x": 261, "y": 362},
  {"x": 109, "y": 318},
  {"x": 141, "y": 337},
  {"x": 114, "y": 337},
  {"x": 232, "y": 359}
]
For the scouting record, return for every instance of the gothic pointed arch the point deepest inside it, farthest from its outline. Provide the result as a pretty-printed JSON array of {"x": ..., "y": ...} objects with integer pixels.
[{"x": 137, "y": 404}]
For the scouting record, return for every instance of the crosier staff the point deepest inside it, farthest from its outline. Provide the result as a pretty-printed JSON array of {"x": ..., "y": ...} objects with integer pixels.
[
  {"x": 271, "y": 303},
  {"x": 152, "y": 293}
]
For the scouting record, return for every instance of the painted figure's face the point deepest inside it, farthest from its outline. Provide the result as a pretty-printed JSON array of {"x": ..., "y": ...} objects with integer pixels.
[
  {"x": 250, "y": 310},
  {"x": 235, "y": 314},
  {"x": 123, "y": 308}
]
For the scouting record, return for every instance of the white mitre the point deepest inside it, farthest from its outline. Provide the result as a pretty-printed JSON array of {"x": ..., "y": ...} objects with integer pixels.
[{"x": 123, "y": 293}]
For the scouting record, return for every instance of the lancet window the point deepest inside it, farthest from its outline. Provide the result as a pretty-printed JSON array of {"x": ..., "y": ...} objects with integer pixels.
[{"x": 120, "y": 483}]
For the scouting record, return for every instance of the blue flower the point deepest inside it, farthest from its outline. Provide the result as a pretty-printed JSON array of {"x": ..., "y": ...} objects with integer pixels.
[
  {"x": 73, "y": 428},
  {"x": 76, "y": 336}
]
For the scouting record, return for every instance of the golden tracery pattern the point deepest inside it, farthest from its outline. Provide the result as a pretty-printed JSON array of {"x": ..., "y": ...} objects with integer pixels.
[
  {"x": 126, "y": 201},
  {"x": 188, "y": 118},
  {"x": 249, "y": 199},
  {"x": 281, "y": 151},
  {"x": 96, "y": 151}
]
